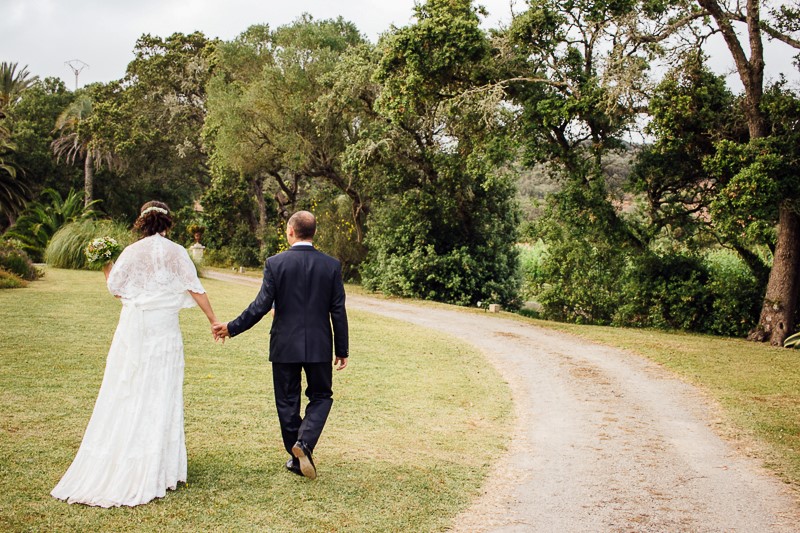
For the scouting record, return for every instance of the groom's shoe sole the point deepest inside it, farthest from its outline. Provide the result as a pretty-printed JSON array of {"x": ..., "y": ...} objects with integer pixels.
[{"x": 306, "y": 463}]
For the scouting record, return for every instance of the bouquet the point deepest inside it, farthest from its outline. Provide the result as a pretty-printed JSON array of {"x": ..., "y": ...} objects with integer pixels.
[{"x": 102, "y": 250}]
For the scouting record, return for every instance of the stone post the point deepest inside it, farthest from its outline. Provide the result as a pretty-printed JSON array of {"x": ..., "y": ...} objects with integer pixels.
[{"x": 197, "y": 251}]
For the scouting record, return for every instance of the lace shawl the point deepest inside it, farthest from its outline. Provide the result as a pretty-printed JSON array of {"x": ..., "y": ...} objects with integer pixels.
[{"x": 154, "y": 266}]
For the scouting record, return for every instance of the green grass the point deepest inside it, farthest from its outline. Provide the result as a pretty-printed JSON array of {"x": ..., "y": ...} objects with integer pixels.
[
  {"x": 756, "y": 386},
  {"x": 411, "y": 436}
]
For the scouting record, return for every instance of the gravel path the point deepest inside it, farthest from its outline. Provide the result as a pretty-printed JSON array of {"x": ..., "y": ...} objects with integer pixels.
[{"x": 603, "y": 440}]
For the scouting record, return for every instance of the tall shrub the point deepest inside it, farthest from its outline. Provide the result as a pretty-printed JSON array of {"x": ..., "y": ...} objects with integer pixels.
[
  {"x": 668, "y": 291},
  {"x": 578, "y": 280},
  {"x": 66, "y": 248},
  {"x": 337, "y": 234},
  {"x": 735, "y": 293},
  {"x": 428, "y": 244}
]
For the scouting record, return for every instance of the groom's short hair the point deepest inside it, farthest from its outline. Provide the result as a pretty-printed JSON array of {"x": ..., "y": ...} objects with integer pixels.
[{"x": 304, "y": 224}]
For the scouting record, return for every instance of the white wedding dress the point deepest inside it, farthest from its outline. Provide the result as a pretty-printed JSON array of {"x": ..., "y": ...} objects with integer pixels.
[{"x": 134, "y": 447}]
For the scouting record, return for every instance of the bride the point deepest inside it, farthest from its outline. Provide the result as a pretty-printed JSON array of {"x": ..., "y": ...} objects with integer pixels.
[{"x": 134, "y": 448}]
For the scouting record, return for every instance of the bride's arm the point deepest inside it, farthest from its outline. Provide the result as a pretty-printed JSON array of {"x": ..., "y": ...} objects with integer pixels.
[
  {"x": 205, "y": 304},
  {"x": 107, "y": 270}
]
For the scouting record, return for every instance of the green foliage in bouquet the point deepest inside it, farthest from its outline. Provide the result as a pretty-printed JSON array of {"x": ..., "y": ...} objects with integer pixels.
[
  {"x": 67, "y": 247},
  {"x": 102, "y": 250}
]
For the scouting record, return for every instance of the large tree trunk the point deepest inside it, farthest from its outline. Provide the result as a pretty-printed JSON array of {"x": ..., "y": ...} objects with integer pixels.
[
  {"x": 88, "y": 179},
  {"x": 780, "y": 302},
  {"x": 778, "y": 310}
]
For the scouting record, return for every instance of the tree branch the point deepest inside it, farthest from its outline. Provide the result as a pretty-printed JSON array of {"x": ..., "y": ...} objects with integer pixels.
[
  {"x": 670, "y": 29},
  {"x": 769, "y": 30}
]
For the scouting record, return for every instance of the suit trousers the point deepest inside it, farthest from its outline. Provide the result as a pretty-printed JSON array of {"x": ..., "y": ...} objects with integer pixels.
[{"x": 286, "y": 379}]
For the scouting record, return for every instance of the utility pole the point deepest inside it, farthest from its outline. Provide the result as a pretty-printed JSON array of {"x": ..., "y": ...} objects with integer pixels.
[{"x": 76, "y": 66}]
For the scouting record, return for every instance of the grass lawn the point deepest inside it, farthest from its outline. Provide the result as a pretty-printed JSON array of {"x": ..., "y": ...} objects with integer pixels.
[
  {"x": 756, "y": 386},
  {"x": 411, "y": 435}
]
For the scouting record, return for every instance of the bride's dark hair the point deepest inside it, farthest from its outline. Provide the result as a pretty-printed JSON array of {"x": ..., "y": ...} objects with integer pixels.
[{"x": 154, "y": 217}]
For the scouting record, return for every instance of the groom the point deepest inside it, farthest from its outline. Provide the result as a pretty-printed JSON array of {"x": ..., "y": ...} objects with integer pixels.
[{"x": 306, "y": 289}]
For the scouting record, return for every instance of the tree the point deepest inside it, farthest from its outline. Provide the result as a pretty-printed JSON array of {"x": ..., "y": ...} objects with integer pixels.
[
  {"x": 265, "y": 119},
  {"x": 444, "y": 223},
  {"x": 743, "y": 26},
  {"x": 575, "y": 80},
  {"x": 12, "y": 84},
  {"x": 692, "y": 111},
  {"x": 780, "y": 301},
  {"x": 158, "y": 110},
  {"x": 79, "y": 138},
  {"x": 579, "y": 79},
  {"x": 237, "y": 107},
  {"x": 34, "y": 117},
  {"x": 13, "y": 192}
]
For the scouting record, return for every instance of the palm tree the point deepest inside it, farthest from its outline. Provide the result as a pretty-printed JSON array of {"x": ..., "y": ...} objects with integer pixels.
[
  {"x": 78, "y": 140},
  {"x": 13, "y": 192},
  {"x": 13, "y": 84}
]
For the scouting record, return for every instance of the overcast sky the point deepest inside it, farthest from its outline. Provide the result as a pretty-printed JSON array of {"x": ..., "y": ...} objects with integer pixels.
[{"x": 44, "y": 34}]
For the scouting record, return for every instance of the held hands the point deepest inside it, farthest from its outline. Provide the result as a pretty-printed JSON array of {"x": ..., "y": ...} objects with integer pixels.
[{"x": 220, "y": 331}]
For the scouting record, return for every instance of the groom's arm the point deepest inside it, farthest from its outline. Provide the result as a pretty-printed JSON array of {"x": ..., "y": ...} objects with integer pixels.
[
  {"x": 256, "y": 310},
  {"x": 338, "y": 314}
]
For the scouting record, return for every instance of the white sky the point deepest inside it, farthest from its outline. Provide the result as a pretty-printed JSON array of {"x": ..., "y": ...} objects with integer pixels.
[{"x": 44, "y": 34}]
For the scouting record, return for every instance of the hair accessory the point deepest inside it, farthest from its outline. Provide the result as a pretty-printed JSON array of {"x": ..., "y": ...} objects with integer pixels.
[{"x": 154, "y": 208}]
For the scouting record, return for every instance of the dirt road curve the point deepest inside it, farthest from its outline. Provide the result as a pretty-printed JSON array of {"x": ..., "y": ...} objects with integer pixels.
[{"x": 603, "y": 440}]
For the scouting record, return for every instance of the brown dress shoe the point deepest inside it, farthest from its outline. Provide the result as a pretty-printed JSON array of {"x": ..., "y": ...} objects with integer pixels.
[{"x": 303, "y": 454}]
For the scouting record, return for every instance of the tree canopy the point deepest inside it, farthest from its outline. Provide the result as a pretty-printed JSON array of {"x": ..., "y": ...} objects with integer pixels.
[{"x": 416, "y": 150}]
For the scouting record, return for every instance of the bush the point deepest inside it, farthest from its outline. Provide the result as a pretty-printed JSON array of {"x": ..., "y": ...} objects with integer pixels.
[
  {"x": 665, "y": 291},
  {"x": 66, "y": 248},
  {"x": 232, "y": 256},
  {"x": 422, "y": 246},
  {"x": 17, "y": 262},
  {"x": 579, "y": 281},
  {"x": 9, "y": 280},
  {"x": 715, "y": 293},
  {"x": 735, "y": 293},
  {"x": 531, "y": 260}
]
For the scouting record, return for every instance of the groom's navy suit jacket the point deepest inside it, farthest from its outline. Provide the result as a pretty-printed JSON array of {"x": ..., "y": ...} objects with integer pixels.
[{"x": 306, "y": 287}]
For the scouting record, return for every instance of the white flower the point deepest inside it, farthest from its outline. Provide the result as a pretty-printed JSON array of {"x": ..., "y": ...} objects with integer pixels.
[{"x": 102, "y": 250}]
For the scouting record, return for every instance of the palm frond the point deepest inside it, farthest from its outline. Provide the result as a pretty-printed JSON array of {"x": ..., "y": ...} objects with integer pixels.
[
  {"x": 13, "y": 83},
  {"x": 42, "y": 219},
  {"x": 792, "y": 341}
]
